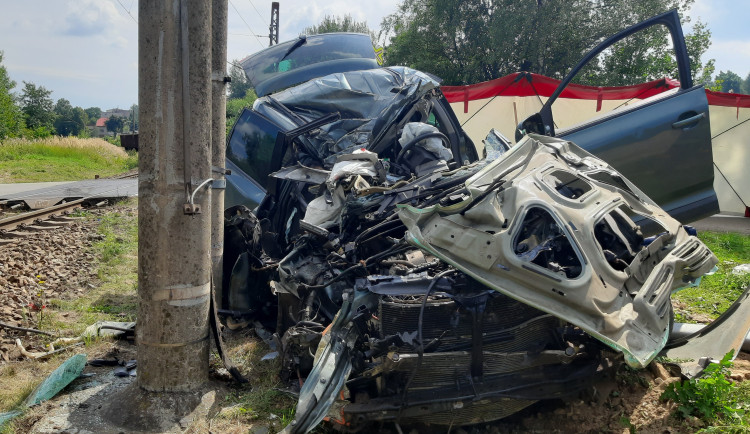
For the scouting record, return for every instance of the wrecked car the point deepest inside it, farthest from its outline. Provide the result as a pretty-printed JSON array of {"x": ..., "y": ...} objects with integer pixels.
[{"x": 404, "y": 280}]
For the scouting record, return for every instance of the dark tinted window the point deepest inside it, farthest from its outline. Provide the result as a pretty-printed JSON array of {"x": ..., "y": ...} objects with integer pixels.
[
  {"x": 316, "y": 49},
  {"x": 251, "y": 145}
]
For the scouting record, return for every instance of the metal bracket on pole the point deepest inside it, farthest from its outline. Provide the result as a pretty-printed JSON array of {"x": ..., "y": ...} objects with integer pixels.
[
  {"x": 221, "y": 170},
  {"x": 220, "y": 78}
]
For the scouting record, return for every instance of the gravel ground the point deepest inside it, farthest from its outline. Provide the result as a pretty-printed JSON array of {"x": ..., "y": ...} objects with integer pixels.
[{"x": 52, "y": 264}]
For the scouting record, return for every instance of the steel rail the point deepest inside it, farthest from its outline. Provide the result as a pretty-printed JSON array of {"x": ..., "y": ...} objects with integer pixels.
[{"x": 31, "y": 217}]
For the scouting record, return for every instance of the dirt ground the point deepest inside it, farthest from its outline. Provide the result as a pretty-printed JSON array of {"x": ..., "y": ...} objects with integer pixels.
[{"x": 60, "y": 264}]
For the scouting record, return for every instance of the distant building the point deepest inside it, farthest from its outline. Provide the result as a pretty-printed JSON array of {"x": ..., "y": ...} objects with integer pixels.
[
  {"x": 116, "y": 112},
  {"x": 100, "y": 128}
]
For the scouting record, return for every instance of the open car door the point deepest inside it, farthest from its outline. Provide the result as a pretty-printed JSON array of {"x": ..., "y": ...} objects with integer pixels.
[{"x": 662, "y": 144}]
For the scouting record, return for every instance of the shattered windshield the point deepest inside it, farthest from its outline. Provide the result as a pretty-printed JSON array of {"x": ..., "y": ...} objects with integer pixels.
[{"x": 295, "y": 59}]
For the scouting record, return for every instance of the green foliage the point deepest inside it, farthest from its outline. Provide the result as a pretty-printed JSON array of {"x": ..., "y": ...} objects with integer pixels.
[
  {"x": 470, "y": 41},
  {"x": 337, "y": 24},
  {"x": 40, "y": 132},
  {"x": 113, "y": 140},
  {"x": 37, "y": 106},
  {"x": 69, "y": 120},
  {"x": 746, "y": 85},
  {"x": 710, "y": 397},
  {"x": 239, "y": 85},
  {"x": 133, "y": 118},
  {"x": 647, "y": 55},
  {"x": 235, "y": 106},
  {"x": 719, "y": 290},
  {"x": 11, "y": 118},
  {"x": 729, "y": 82},
  {"x": 93, "y": 113},
  {"x": 115, "y": 124}
]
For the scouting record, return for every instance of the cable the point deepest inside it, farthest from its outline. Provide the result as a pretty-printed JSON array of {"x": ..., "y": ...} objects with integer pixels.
[
  {"x": 243, "y": 20},
  {"x": 730, "y": 185},
  {"x": 420, "y": 350},
  {"x": 717, "y": 167},
  {"x": 256, "y": 9},
  {"x": 127, "y": 11},
  {"x": 730, "y": 128}
]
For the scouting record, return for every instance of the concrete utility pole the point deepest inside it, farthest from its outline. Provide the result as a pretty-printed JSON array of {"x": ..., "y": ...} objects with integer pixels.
[
  {"x": 174, "y": 242},
  {"x": 218, "y": 138},
  {"x": 273, "y": 29}
]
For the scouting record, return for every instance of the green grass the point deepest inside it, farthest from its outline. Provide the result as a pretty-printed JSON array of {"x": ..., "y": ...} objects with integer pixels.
[
  {"x": 61, "y": 159},
  {"x": 115, "y": 298},
  {"x": 719, "y": 290},
  {"x": 262, "y": 397}
]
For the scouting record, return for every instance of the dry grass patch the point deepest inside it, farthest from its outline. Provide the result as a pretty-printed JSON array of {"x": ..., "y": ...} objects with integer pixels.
[{"x": 61, "y": 159}]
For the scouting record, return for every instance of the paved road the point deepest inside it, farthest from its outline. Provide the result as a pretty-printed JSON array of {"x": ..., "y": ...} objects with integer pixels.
[{"x": 724, "y": 223}]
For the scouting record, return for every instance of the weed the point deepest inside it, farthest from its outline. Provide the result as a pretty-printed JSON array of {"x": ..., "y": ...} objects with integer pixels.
[
  {"x": 711, "y": 397},
  {"x": 630, "y": 376},
  {"x": 626, "y": 423}
]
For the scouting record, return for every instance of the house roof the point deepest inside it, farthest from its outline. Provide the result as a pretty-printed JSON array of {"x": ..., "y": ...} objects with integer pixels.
[{"x": 100, "y": 122}]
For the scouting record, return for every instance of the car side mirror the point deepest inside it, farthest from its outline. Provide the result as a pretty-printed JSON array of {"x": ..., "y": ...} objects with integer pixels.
[{"x": 532, "y": 124}]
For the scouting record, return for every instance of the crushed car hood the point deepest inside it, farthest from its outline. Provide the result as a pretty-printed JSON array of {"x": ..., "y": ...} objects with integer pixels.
[
  {"x": 552, "y": 226},
  {"x": 369, "y": 104}
]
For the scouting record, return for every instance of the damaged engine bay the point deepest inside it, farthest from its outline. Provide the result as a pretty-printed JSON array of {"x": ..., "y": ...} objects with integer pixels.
[{"x": 404, "y": 280}]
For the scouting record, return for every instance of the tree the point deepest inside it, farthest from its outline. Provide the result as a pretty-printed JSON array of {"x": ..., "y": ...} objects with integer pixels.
[
  {"x": 93, "y": 114},
  {"x": 746, "y": 85},
  {"x": 729, "y": 82},
  {"x": 337, "y": 24},
  {"x": 133, "y": 118},
  {"x": 80, "y": 120},
  {"x": 235, "y": 106},
  {"x": 69, "y": 120},
  {"x": 11, "y": 117},
  {"x": 115, "y": 124},
  {"x": 38, "y": 108},
  {"x": 239, "y": 85},
  {"x": 648, "y": 55},
  {"x": 476, "y": 40}
]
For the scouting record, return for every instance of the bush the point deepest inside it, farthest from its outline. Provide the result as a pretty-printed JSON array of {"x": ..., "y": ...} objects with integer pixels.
[{"x": 711, "y": 397}]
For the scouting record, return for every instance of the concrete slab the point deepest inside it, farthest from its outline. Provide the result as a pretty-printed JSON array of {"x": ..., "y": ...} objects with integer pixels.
[
  {"x": 21, "y": 187},
  {"x": 49, "y": 195}
]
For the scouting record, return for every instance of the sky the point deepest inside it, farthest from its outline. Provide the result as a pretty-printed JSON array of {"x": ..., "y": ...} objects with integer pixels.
[{"x": 86, "y": 51}]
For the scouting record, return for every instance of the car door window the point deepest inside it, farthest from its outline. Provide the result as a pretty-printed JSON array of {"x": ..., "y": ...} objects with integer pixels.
[
  {"x": 662, "y": 144},
  {"x": 614, "y": 81},
  {"x": 251, "y": 145}
]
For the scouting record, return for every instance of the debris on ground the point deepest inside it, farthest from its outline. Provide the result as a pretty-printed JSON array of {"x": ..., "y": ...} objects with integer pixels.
[{"x": 51, "y": 386}]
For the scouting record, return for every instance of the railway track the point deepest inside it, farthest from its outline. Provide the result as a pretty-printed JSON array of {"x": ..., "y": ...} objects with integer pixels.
[{"x": 22, "y": 224}]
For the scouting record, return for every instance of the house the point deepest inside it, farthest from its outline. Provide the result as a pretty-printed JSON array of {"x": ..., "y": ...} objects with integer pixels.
[{"x": 100, "y": 128}]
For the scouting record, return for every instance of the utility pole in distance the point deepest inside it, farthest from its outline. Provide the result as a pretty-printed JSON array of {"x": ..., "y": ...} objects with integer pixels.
[
  {"x": 273, "y": 29},
  {"x": 219, "y": 19},
  {"x": 174, "y": 207}
]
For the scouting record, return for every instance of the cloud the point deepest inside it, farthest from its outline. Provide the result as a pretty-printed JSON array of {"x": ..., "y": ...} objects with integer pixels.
[
  {"x": 89, "y": 18},
  {"x": 54, "y": 72},
  {"x": 732, "y": 55}
]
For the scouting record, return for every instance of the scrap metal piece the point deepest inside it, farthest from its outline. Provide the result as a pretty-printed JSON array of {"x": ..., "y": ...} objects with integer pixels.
[
  {"x": 726, "y": 333},
  {"x": 332, "y": 366},
  {"x": 302, "y": 173},
  {"x": 539, "y": 228}
]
